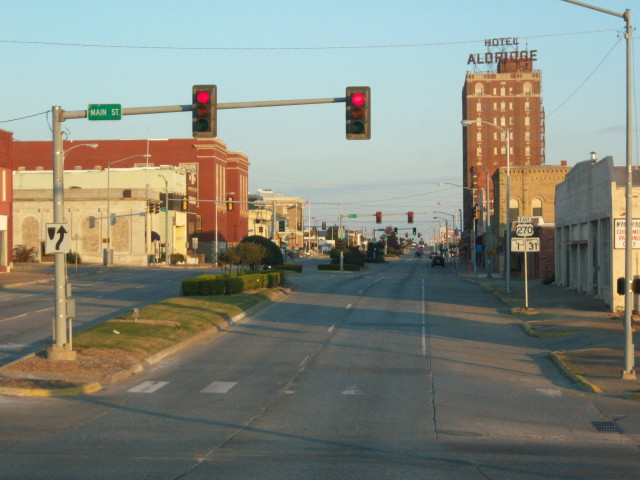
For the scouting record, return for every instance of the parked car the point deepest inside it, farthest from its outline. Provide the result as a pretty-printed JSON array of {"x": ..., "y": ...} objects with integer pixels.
[{"x": 437, "y": 261}]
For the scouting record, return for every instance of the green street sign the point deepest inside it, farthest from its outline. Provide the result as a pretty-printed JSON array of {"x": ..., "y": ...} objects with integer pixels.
[
  {"x": 104, "y": 111},
  {"x": 353, "y": 215}
]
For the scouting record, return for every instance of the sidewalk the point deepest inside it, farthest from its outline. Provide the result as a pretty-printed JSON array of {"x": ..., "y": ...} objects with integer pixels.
[
  {"x": 24, "y": 274},
  {"x": 585, "y": 339}
]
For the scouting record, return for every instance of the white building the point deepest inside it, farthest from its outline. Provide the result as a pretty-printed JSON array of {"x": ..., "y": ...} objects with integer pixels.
[
  {"x": 116, "y": 214},
  {"x": 590, "y": 211}
]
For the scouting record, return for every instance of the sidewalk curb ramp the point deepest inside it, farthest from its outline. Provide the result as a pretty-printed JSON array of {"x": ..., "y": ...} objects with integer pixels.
[{"x": 93, "y": 387}]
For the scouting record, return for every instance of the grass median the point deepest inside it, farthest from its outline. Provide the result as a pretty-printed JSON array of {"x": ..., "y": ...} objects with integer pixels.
[{"x": 168, "y": 322}]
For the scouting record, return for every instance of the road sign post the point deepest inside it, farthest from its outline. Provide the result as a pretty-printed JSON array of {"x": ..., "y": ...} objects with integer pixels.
[{"x": 525, "y": 244}]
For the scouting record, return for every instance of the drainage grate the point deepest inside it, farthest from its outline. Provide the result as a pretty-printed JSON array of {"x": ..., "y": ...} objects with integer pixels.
[{"x": 606, "y": 426}]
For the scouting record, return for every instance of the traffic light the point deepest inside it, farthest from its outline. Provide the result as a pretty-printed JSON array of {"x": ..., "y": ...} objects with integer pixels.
[
  {"x": 156, "y": 207},
  {"x": 406, "y": 234},
  {"x": 414, "y": 230},
  {"x": 358, "y": 106},
  {"x": 184, "y": 204},
  {"x": 395, "y": 230},
  {"x": 324, "y": 225},
  {"x": 229, "y": 203},
  {"x": 378, "y": 217},
  {"x": 204, "y": 111},
  {"x": 410, "y": 218},
  {"x": 476, "y": 212}
]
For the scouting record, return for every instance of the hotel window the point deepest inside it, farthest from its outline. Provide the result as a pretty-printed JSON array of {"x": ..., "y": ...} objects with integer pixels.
[
  {"x": 527, "y": 151},
  {"x": 478, "y": 136},
  {"x": 479, "y": 89},
  {"x": 527, "y": 121},
  {"x": 478, "y": 107},
  {"x": 503, "y": 122},
  {"x": 479, "y": 151},
  {"x": 527, "y": 136},
  {"x": 527, "y": 106},
  {"x": 526, "y": 88},
  {"x": 503, "y": 91},
  {"x": 503, "y": 106}
]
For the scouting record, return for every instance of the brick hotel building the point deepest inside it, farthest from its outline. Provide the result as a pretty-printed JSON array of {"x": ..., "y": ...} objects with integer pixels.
[{"x": 511, "y": 99}]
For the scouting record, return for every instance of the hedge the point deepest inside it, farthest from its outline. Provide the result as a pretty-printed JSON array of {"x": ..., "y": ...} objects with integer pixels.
[
  {"x": 293, "y": 267},
  {"x": 229, "y": 285},
  {"x": 333, "y": 266}
]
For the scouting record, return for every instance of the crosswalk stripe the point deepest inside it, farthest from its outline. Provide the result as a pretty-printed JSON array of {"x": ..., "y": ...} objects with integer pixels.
[
  {"x": 147, "y": 387},
  {"x": 219, "y": 387}
]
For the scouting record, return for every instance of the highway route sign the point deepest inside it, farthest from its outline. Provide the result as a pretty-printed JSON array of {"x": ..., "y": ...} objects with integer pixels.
[
  {"x": 525, "y": 244},
  {"x": 57, "y": 238},
  {"x": 524, "y": 229}
]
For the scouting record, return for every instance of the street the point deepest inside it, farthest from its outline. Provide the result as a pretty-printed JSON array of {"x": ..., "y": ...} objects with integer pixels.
[
  {"x": 401, "y": 371},
  {"x": 26, "y": 312}
]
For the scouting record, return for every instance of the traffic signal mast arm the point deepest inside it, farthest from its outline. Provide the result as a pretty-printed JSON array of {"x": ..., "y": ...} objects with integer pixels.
[{"x": 71, "y": 114}]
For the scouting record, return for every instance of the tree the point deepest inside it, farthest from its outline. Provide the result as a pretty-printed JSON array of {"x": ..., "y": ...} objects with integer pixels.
[{"x": 273, "y": 254}]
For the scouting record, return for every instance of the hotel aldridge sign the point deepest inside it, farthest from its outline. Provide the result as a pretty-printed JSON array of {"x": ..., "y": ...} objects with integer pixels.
[{"x": 495, "y": 57}]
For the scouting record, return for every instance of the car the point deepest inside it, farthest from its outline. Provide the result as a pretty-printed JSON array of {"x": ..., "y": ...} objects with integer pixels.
[{"x": 437, "y": 261}]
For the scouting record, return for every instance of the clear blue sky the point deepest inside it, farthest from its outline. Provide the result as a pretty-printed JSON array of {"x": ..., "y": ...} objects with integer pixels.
[{"x": 415, "y": 61}]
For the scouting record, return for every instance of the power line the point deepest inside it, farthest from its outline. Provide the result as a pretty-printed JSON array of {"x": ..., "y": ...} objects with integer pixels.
[
  {"x": 22, "y": 118},
  {"x": 337, "y": 47}
]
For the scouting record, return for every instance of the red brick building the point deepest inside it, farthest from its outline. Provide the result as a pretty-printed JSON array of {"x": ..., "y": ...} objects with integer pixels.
[
  {"x": 511, "y": 99},
  {"x": 6, "y": 235},
  {"x": 216, "y": 176}
]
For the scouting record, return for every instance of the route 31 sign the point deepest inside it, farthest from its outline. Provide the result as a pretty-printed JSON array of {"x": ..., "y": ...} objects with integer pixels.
[{"x": 57, "y": 238}]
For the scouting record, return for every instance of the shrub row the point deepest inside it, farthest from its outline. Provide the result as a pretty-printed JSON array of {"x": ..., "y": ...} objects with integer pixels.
[
  {"x": 333, "y": 266},
  {"x": 292, "y": 267},
  {"x": 229, "y": 285}
]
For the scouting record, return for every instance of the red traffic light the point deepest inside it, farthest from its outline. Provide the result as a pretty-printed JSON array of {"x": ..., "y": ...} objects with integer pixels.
[
  {"x": 204, "y": 111},
  {"x": 358, "y": 99},
  {"x": 410, "y": 217},
  {"x": 203, "y": 96},
  {"x": 378, "y": 217},
  {"x": 358, "y": 113}
]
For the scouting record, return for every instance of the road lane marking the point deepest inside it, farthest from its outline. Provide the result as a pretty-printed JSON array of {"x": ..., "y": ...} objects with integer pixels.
[
  {"x": 13, "y": 318},
  {"x": 304, "y": 361},
  {"x": 219, "y": 387},
  {"x": 348, "y": 306},
  {"x": 351, "y": 390},
  {"x": 147, "y": 387},
  {"x": 424, "y": 323},
  {"x": 550, "y": 392},
  {"x": 44, "y": 310},
  {"x": 331, "y": 328}
]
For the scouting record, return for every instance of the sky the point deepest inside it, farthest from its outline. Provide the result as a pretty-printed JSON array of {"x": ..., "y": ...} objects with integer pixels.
[{"x": 412, "y": 53}]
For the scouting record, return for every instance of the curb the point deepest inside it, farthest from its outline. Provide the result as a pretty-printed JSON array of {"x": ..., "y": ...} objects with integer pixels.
[
  {"x": 94, "y": 387},
  {"x": 86, "y": 389},
  {"x": 565, "y": 366}
]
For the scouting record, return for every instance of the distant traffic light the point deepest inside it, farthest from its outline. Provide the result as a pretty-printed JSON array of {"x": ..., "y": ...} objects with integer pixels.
[
  {"x": 406, "y": 234},
  {"x": 414, "y": 230},
  {"x": 184, "y": 204},
  {"x": 229, "y": 203},
  {"x": 410, "y": 218},
  {"x": 395, "y": 230},
  {"x": 378, "y": 217},
  {"x": 358, "y": 110},
  {"x": 204, "y": 111},
  {"x": 476, "y": 212},
  {"x": 324, "y": 225}
]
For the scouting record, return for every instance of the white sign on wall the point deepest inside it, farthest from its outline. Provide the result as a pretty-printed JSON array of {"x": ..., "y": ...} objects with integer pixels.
[{"x": 620, "y": 233}]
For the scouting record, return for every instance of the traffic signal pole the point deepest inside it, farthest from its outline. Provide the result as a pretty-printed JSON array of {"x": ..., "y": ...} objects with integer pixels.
[{"x": 62, "y": 331}]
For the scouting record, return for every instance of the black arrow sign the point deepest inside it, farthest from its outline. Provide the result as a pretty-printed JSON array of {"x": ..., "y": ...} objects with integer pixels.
[{"x": 62, "y": 231}]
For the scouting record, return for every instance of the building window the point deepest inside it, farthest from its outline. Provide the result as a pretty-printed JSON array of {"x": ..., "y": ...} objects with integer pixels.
[
  {"x": 527, "y": 151},
  {"x": 527, "y": 106},
  {"x": 527, "y": 136},
  {"x": 479, "y": 151},
  {"x": 514, "y": 210},
  {"x": 527, "y": 121},
  {"x": 503, "y": 91},
  {"x": 526, "y": 88},
  {"x": 536, "y": 207},
  {"x": 605, "y": 251},
  {"x": 479, "y": 89},
  {"x": 478, "y": 136},
  {"x": 503, "y": 106},
  {"x": 478, "y": 107}
]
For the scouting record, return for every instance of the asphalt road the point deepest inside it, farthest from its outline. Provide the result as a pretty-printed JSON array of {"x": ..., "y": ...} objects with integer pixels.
[
  {"x": 398, "y": 372},
  {"x": 26, "y": 312}
]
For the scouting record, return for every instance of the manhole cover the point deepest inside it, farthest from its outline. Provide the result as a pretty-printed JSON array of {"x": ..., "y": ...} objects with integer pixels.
[{"x": 606, "y": 426}]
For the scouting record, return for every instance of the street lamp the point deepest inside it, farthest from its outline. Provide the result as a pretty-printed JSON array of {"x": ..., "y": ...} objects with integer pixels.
[
  {"x": 62, "y": 348},
  {"x": 216, "y": 225},
  {"x": 472, "y": 240},
  {"x": 628, "y": 373},
  {"x": 107, "y": 256},
  {"x": 507, "y": 248},
  {"x": 453, "y": 223},
  {"x": 446, "y": 236}
]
